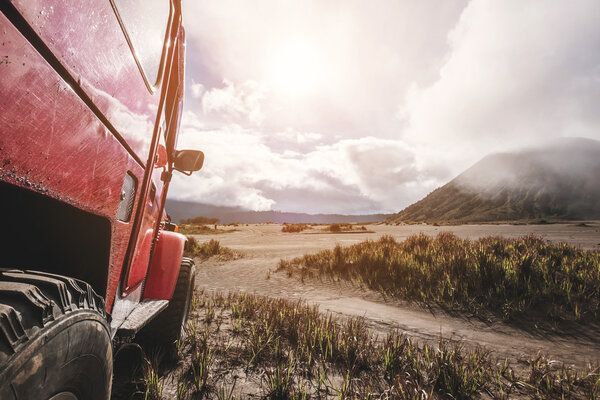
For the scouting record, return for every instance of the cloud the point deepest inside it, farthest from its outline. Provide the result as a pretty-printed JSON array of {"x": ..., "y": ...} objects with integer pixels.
[
  {"x": 336, "y": 142},
  {"x": 235, "y": 102},
  {"x": 517, "y": 73},
  {"x": 365, "y": 57},
  {"x": 227, "y": 175},
  {"x": 364, "y": 175},
  {"x": 292, "y": 142},
  {"x": 384, "y": 171},
  {"x": 191, "y": 120},
  {"x": 409, "y": 95},
  {"x": 197, "y": 90}
]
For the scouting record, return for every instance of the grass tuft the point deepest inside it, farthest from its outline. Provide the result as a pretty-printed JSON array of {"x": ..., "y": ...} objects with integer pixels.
[
  {"x": 289, "y": 350},
  {"x": 509, "y": 277},
  {"x": 200, "y": 229},
  {"x": 212, "y": 248},
  {"x": 294, "y": 228}
]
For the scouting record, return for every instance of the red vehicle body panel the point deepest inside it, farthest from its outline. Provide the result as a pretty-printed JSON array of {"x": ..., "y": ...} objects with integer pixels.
[
  {"x": 75, "y": 141},
  {"x": 139, "y": 268},
  {"x": 164, "y": 270},
  {"x": 101, "y": 61}
]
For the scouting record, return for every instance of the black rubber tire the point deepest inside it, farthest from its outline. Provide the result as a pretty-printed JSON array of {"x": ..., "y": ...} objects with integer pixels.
[
  {"x": 54, "y": 338},
  {"x": 168, "y": 326}
]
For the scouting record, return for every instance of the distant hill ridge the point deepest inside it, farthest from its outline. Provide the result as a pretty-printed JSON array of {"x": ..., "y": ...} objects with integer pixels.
[
  {"x": 179, "y": 210},
  {"x": 560, "y": 181}
]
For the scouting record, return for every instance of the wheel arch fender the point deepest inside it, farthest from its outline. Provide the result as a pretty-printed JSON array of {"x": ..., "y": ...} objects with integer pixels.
[{"x": 164, "y": 266}]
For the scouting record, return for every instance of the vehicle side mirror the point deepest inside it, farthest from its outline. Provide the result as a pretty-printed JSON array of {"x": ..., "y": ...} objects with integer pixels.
[{"x": 188, "y": 161}]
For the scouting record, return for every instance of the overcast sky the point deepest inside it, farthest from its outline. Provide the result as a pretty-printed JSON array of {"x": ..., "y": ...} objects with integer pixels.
[{"x": 363, "y": 107}]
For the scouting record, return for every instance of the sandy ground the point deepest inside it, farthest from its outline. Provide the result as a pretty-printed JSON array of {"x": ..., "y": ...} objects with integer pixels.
[{"x": 264, "y": 245}]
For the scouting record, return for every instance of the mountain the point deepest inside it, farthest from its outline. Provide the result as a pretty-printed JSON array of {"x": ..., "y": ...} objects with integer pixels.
[
  {"x": 179, "y": 210},
  {"x": 559, "y": 181}
]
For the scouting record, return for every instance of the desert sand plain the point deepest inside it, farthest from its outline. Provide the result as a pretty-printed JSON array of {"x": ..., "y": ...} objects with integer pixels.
[{"x": 263, "y": 245}]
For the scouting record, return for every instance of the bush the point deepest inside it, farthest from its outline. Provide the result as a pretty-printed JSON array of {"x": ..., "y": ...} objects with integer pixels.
[
  {"x": 334, "y": 228},
  {"x": 200, "y": 220},
  {"x": 196, "y": 230},
  {"x": 294, "y": 228},
  {"x": 208, "y": 249},
  {"x": 339, "y": 228}
]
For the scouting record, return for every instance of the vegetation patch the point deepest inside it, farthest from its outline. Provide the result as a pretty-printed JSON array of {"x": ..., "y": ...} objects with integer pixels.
[
  {"x": 203, "y": 230},
  {"x": 346, "y": 228},
  {"x": 239, "y": 346},
  {"x": 203, "y": 226},
  {"x": 212, "y": 248},
  {"x": 510, "y": 277},
  {"x": 294, "y": 228},
  {"x": 200, "y": 220}
]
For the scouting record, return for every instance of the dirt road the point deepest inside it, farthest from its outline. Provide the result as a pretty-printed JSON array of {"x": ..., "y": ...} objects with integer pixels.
[{"x": 264, "y": 245}]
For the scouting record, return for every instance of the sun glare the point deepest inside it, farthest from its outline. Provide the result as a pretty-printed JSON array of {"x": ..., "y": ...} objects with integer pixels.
[{"x": 296, "y": 68}]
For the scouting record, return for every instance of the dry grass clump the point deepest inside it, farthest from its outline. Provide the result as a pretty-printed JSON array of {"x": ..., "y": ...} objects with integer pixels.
[
  {"x": 346, "y": 228},
  {"x": 339, "y": 228},
  {"x": 193, "y": 248},
  {"x": 240, "y": 345},
  {"x": 509, "y": 277},
  {"x": 195, "y": 229},
  {"x": 200, "y": 220},
  {"x": 294, "y": 228}
]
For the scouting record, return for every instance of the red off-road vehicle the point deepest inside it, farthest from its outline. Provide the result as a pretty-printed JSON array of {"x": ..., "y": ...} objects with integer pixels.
[{"x": 90, "y": 101}]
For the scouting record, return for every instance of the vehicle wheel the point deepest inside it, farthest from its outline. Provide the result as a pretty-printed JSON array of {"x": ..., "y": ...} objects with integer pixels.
[
  {"x": 168, "y": 326},
  {"x": 55, "y": 339}
]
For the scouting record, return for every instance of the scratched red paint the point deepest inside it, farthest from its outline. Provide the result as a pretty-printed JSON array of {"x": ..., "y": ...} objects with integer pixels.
[
  {"x": 101, "y": 61},
  {"x": 56, "y": 145}
]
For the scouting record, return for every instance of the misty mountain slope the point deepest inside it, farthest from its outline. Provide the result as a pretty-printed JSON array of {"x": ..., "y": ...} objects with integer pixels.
[{"x": 558, "y": 181}]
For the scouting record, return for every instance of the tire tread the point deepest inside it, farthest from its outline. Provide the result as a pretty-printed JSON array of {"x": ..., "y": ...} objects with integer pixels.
[{"x": 31, "y": 300}]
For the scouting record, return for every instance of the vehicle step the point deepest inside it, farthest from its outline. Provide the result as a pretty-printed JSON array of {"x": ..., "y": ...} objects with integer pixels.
[{"x": 140, "y": 316}]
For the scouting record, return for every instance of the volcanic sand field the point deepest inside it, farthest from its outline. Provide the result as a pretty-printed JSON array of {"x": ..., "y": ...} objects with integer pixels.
[{"x": 264, "y": 245}]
